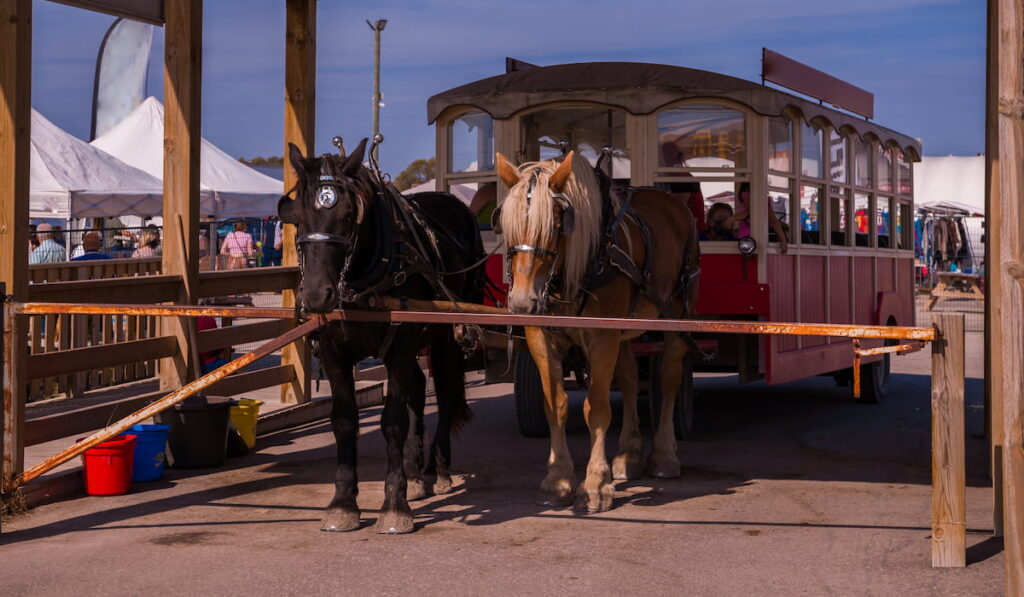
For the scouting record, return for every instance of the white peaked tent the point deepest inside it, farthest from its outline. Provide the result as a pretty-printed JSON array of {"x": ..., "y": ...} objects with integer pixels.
[
  {"x": 229, "y": 188},
  {"x": 70, "y": 178},
  {"x": 955, "y": 181},
  {"x": 464, "y": 192}
]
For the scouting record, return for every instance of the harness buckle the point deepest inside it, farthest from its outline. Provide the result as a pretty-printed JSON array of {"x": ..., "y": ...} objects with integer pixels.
[{"x": 400, "y": 277}]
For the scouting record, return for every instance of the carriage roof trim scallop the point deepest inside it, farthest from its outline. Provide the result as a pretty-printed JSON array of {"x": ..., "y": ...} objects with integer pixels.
[{"x": 640, "y": 88}]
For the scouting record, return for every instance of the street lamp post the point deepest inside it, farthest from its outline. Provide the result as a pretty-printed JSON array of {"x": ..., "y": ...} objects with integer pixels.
[{"x": 377, "y": 27}]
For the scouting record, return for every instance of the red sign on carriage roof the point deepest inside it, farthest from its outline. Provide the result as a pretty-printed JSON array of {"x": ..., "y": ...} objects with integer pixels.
[{"x": 810, "y": 81}]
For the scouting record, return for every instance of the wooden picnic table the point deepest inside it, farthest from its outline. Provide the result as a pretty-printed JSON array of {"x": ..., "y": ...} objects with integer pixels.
[{"x": 956, "y": 285}]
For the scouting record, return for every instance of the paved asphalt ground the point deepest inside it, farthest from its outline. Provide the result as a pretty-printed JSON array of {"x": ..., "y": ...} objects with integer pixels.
[{"x": 787, "y": 490}]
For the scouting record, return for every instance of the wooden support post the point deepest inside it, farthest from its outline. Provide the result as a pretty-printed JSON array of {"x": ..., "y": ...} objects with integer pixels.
[
  {"x": 993, "y": 287},
  {"x": 15, "y": 133},
  {"x": 949, "y": 492},
  {"x": 299, "y": 128},
  {"x": 183, "y": 39},
  {"x": 1010, "y": 271}
]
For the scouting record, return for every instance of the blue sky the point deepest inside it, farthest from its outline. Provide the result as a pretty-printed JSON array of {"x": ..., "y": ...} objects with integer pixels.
[{"x": 923, "y": 59}]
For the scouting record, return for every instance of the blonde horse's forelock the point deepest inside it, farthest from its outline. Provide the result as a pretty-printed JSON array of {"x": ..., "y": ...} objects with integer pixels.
[{"x": 532, "y": 221}]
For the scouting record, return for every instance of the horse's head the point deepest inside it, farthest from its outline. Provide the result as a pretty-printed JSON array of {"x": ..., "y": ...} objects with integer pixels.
[
  {"x": 551, "y": 222},
  {"x": 332, "y": 197}
]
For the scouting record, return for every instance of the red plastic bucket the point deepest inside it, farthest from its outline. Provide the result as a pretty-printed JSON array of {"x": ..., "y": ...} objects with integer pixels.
[{"x": 107, "y": 467}]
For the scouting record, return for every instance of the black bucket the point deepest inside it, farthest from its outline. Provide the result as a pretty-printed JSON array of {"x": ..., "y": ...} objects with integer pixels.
[{"x": 198, "y": 436}]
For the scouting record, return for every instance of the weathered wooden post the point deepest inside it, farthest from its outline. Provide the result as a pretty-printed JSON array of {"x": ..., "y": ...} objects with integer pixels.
[
  {"x": 1010, "y": 270},
  {"x": 183, "y": 38},
  {"x": 299, "y": 128},
  {"x": 15, "y": 123},
  {"x": 949, "y": 492}
]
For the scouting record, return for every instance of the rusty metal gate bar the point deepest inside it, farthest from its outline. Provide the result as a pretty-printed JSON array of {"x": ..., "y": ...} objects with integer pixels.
[
  {"x": 946, "y": 336},
  {"x": 504, "y": 318},
  {"x": 164, "y": 403}
]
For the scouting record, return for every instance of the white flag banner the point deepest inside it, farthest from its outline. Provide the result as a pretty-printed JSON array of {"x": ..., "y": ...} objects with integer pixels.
[{"x": 120, "y": 73}]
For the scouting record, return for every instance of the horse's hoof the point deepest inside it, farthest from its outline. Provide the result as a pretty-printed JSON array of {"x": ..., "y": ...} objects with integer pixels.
[
  {"x": 442, "y": 485},
  {"x": 554, "y": 500},
  {"x": 395, "y": 522},
  {"x": 338, "y": 521},
  {"x": 664, "y": 470},
  {"x": 625, "y": 468},
  {"x": 592, "y": 501},
  {"x": 415, "y": 489}
]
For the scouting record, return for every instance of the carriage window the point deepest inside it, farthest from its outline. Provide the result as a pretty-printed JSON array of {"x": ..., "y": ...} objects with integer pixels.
[
  {"x": 471, "y": 143},
  {"x": 883, "y": 221},
  {"x": 884, "y": 165},
  {"x": 780, "y": 144},
  {"x": 549, "y": 133},
  {"x": 838, "y": 152},
  {"x": 905, "y": 227},
  {"x": 702, "y": 137},
  {"x": 810, "y": 211},
  {"x": 861, "y": 170},
  {"x": 840, "y": 212},
  {"x": 906, "y": 179},
  {"x": 811, "y": 164},
  {"x": 779, "y": 204},
  {"x": 862, "y": 220}
]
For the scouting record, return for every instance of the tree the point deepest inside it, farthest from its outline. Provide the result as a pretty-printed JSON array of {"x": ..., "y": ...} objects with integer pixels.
[{"x": 418, "y": 172}]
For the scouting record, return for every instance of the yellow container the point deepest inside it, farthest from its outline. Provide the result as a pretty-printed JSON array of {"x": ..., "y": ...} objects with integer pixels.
[{"x": 244, "y": 417}]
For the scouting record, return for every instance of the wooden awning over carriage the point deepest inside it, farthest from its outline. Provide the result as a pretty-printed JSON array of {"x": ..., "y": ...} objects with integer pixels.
[{"x": 642, "y": 88}]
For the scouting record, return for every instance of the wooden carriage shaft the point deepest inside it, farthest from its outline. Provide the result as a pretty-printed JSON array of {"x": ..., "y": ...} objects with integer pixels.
[
  {"x": 502, "y": 318},
  {"x": 164, "y": 403}
]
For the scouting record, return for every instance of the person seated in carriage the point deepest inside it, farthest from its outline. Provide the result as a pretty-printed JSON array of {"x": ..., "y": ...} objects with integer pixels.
[{"x": 720, "y": 223}]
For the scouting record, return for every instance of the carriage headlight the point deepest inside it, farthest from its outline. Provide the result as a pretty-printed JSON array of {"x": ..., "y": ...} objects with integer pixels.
[{"x": 747, "y": 246}]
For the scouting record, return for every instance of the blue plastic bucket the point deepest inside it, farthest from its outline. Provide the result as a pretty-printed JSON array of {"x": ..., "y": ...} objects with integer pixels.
[{"x": 149, "y": 452}]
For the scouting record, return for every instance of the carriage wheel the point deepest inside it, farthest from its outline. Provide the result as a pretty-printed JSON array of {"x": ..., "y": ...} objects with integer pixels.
[
  {"x": 874, "y": 379},
  {"x": 529, "y": 396},
  {"x": 682, "y": 419}
]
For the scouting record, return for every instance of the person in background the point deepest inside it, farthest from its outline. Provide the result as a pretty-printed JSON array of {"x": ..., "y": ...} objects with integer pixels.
[
  {"x": 689, "y": 192},
  {"x": 719, "y": 223},
  {"x": 271, "y": 242},
  {"x": 210, "y": 359},
  {"x": 33, "y": 239},
  {"x": 238, "y": 247},
  {"x": 49, "y": 250},
  {"x": 742, "y": 218},
  {"x": 149, "y": 243},
  {"x": 90, "y": 248}
]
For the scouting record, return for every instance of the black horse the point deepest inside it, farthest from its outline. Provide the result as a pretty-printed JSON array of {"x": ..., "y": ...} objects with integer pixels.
[{"x": 357, "y": 238}]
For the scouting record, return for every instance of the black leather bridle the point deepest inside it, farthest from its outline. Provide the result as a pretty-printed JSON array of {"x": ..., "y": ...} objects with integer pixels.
[{"x": 566, "y": 224}]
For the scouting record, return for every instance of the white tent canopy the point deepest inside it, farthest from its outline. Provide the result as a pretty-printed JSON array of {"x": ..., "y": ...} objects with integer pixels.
[
  {"x": 951, "y": 180},
  {"x": 229, "y": 188},
  {"x": 464, "y": 192},
  {"x": 70, "y": 178}
]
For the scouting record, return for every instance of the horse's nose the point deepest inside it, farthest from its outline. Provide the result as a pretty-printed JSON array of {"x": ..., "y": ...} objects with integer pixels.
[
  {"x": 320, "y": 299},
  {"x": 523, "y": 305}
]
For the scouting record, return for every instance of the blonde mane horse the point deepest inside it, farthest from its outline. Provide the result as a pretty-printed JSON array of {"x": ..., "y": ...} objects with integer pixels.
[{"x": 552, "y": 222}]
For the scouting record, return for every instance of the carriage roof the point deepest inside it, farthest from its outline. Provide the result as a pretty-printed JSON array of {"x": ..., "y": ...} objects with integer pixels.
[{"x": 641, "y": 88}]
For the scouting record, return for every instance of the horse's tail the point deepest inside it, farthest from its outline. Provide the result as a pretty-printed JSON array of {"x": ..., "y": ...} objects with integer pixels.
[{"x": 450, "y": 384}]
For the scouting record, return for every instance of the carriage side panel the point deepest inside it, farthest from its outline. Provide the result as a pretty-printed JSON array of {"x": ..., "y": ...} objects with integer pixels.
[{"x": 813, "y": 295}]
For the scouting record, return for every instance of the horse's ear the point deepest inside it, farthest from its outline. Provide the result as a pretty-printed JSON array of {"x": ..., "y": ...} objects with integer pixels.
[
  {"x": 286, "y": 210},
  {"x": 295, "y": 157},
  {"x": 355, "y": 159},
  {"x": 557, "y": 181},
  {"x": 506, "y": 171}
]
